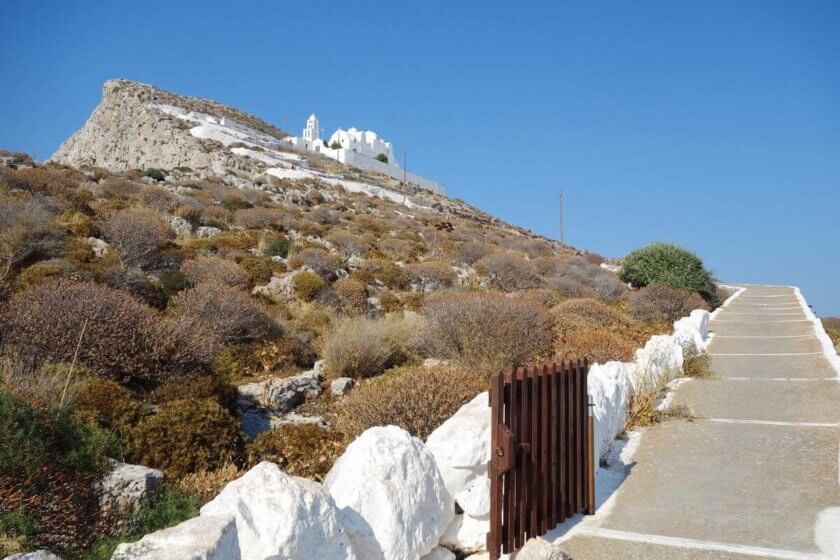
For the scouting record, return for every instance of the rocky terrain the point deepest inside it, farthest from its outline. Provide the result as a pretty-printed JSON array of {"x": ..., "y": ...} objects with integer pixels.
[{"x": 196, "y": 318}]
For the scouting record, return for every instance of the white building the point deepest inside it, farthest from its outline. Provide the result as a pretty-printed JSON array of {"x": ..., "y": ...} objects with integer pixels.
[{"x": 362, "y": 148}]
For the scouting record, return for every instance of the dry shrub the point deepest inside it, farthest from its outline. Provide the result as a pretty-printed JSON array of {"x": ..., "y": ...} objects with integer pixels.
[
  {"x": 224, "y": 311},
  {"x": 25, "y": 233},
  {"x": 548, "y": 265},
  {"x": 45, "y": 385},
  {"x": 658, "y": 302},
  {"x": 352, "y": 295},
  {"x": 307, "y": 450},
  {"x": 186, "y": 436},
  {"x": 487, "y": 331},
  {"x": 348, "y": 245},
  {"x": 257, "y": 218},
  {"x": 107, "y": 404},
  {"x": 400, "y": 249},
  {"x": 215, "y": 269},
  {"x": 124, "y": 340},
  {"x": 390, "y": 302},
  {"x": 158, "y": 198},
  {"x": 310, "y": 318},
  {"x": 532, "y": 247},
  {"x": 608, "y": 287},
  {"x": 198, "y": 387},
  {"x": 259, "y": 270},
  {"x": 472, "y": 251},
  {"x": 597, "y": 345},
  {"x": 697, "y": 365},
  {"x": 415, "y": 398},
  {"x": 428, "y": 276},
  {"x": 113, "y": 187},
  {"x": 307, "y": 285},
  {"x": 206, "y": 485},
  {"x": 508, "y": 271},
  {"x": 319, "y": 261},
  {"x": 364, "y": 347},
  {"x": 37, "y": 180},
  {"x": 215, "y": 216},
  {"x": 587, "y": 312},
  {"x": 136, "y": 235},
  {"x": 387, "y": 273}
]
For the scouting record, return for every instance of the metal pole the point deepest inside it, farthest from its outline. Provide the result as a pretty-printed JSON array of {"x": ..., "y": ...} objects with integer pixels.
[{"x": 562, "y": 224}]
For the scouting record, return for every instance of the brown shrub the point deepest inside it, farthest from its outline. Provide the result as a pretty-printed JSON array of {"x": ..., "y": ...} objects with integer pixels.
[
  {"x": 307, "y": 450},
  {"x": 224, "y": 311},
  {"x": 386, "y": 272},
  {"x": 348, "y": 245},
  {"x": 321, "y": 262},
  {"x": 186, "y": 436},
  {"x": 158, "y": 198},
  {"x": 215, "y": 216},
  {"x": 124, "y": 340},
  {"x": 415, "y": 398},
  {"x": 428, "y": 276},
  {"x": 472, "y": 251},
  {"x": 259, "y": 270},
  {"x": 206, "y": 485},
  {"x": 114, "y": 186},
  {"x": 364, "y": 347},
  {"x": 215, "y": 269},
  {"x": 107, "y": 404},
  {"x": 532, "y": 247},
  {"x": 136, "y": 235},
  {"x": 508, "y": 271},
  {"x": 352, "y": 295},
  {"x": 487, "y": 331},
  {"x": 390, "y": 302},
  {"x": 658, "y": 302},
  {"x": 597, "y": 345},
  {"x": 198, "y": 387},
  {"x": 25, "y": 233},
  {"x": 256, "y": 218},
  {"x": 37, "y": 180},
  {"x": 587, "y": 312}
]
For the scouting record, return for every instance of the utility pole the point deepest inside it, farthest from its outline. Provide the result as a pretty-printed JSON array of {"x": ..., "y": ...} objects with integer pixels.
[{"x": 562, "y": 224}]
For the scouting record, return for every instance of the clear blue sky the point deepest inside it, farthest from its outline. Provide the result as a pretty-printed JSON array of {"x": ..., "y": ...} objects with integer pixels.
[{"x": 713, "y": 124}]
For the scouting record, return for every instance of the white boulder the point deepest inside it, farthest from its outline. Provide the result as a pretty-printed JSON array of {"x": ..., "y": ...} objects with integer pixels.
[
  {"x": 37, "y": 555},
  {"x": 390, "y": 494},
  {"x": 610, "y": 388},
  {"x": 461, "y": 445},
  {"x": 280, "y": 516},
  {"x": 661, "y": 360},
  {"x": 208, "y": 537},
  {"x": 700, "y": 318},
  {"x": 341, "y": 386},
  {"x": 439, "y": 553},
  {"x": 467, "y": 534}
]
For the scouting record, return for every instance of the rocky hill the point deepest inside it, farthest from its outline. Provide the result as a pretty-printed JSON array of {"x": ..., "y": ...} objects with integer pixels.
[{"x": 139, "y": 126}]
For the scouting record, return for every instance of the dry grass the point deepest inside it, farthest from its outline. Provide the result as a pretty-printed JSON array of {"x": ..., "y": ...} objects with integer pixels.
[
  {"x": 644, "y": 411},
  {"x": 206, "y": 485},
  {"x": 698, "y": 366}
]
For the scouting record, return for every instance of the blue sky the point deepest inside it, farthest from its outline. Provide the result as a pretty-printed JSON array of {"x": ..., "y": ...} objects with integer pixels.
[{"x": 712, "y": 124}]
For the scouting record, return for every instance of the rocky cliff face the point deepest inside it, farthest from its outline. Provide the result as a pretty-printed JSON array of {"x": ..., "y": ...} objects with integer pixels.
[{"x": 131, "y": 128}]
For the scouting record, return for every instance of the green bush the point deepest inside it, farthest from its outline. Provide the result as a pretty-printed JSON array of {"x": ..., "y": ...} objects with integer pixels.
[
  {"x": 335, "y": 146},
  {"x": 174, "y": 281},
  {"x": 381, "y": 157},
  {"x": 663, "y": 263},
  {"x": 278, "y": 247},
  {"x": 307, "y": 285}
]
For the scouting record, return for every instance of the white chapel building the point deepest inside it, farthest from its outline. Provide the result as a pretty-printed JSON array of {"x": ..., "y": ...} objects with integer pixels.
[{"x": 362, "y": 148}]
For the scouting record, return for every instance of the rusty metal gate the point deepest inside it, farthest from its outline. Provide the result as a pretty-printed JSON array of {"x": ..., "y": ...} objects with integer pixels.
[{"x": 541, "y": 468}]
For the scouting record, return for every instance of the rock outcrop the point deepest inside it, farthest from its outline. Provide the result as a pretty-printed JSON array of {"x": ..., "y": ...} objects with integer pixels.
[
  {"x": 128, "y": 131},
  {"x": 123, "y": 490}
]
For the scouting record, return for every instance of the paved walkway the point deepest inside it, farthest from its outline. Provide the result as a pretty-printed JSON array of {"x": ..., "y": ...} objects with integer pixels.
[{"x": 748, "y": 478}]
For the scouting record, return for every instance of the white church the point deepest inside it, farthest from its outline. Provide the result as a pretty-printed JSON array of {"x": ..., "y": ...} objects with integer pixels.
[{"x": 362, "y": 148}]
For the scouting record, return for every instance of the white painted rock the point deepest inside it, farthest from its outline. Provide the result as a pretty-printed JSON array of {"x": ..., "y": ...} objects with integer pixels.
[
  {"x": 540, "y": 549},
  {"x": 280, "y": 516},
  {"x": 208, "y": 537},
  {"x": 700, "y": 318},
  {"x": 610, "y": 387},
  {"x": 439, "y": 553},
  {"x": 827, "y": 532},
  {"x": 688, "y": 336},
  {"x": 474, "y": 499},
  {"x": 390, "y": 494},
  {"x": 37, "y": 555},
  {"x": 123, "y": 490},
  {"x": 467, "y": 534},
  {"x": 660, "y": 360},
  {"x": 461, "y": 445}
]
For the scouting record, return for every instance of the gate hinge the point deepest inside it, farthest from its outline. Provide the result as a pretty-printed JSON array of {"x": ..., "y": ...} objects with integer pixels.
[{"x": 504, "y": 451}]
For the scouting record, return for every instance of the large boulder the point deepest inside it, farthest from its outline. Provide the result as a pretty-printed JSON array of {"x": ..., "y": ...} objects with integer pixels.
[
  {"x": 461, "y": 447},
  {"x": 123, "y": 490},
  {"x": 439, "y": 553},
  {"x": 280, "y": 516},
  {"x": 391, "y": 496},
  {"x": 208, "y": 537}
]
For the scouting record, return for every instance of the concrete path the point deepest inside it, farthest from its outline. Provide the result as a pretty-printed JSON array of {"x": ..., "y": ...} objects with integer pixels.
[{"x": 749, "y": 476}]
